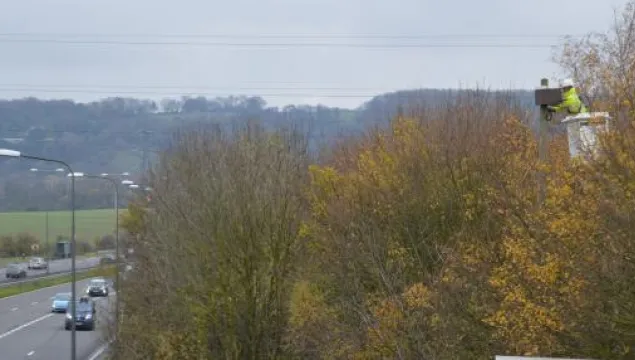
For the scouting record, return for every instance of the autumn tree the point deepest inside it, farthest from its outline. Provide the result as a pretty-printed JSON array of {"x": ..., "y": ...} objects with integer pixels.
[
  {"x": 391, "y": 216},
  {"x": 604, "y": 65},
  {"x": 217, "y": 247},
  {"x": 428, "y": 243}
]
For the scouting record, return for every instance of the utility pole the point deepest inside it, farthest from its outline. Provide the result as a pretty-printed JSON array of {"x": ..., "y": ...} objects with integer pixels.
[{"x": 543, "y": 137}]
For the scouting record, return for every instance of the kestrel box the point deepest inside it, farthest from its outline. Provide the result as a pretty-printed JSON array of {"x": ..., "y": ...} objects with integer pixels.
[{"x": 548, "y": 96}]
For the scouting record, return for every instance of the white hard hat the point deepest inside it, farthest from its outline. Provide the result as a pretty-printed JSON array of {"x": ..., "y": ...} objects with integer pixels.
[{"x": 567, "y": 83}]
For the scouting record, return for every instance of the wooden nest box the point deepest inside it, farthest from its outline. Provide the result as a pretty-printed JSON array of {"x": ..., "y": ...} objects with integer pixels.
[{"x": 548, "y": 96}]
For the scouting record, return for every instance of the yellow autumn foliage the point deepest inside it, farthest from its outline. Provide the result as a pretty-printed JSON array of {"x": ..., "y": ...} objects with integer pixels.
[
  {"x": 173, "y": 345},
  {"x": 417, "y": 296},
  {"x": 523, "y": 276},
  {"x": 307, "y": 305}
]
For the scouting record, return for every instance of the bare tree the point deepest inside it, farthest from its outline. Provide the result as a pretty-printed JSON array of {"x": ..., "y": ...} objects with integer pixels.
[{"x": 214, "y": 264}]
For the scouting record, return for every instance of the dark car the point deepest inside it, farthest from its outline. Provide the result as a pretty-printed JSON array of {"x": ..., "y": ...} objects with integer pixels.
[
  {"x": 16, "y": 271},
  {"x": 85, "y": 317},
  {"x": 97, "y": 287}
]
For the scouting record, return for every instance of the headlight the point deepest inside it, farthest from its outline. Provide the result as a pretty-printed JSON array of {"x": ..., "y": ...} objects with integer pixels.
[
  {"x": 69, "y": 316},
  {"x": 89, "y": 316}
]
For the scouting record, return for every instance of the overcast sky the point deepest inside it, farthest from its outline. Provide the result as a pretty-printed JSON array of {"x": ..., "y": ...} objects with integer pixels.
[{"x": 333, "y": 75}]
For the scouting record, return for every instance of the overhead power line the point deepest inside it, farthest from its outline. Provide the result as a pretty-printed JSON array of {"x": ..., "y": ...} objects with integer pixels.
[
  {"x": 291, "y": 93},
  {"x": 282, "y": 44},
  {"x": 291, "y": 36},
  {"x": 93, "y": 87},
  {"x": 294, "y": 40}
]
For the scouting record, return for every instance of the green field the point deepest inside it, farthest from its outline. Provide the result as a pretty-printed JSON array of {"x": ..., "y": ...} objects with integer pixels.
[{"x": 89, "y": 223}]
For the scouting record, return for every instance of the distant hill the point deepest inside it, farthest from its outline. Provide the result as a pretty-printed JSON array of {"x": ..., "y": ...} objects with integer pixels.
[{"x": 122, "y": 134}]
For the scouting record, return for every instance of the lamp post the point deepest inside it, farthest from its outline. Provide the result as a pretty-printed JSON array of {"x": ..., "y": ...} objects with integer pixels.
[
  {"x": 18, "y": 154},
  {"x": 46, "y": 219},
  {"x": 46, "y": 170},
  {"x": 115, "y": 185}
]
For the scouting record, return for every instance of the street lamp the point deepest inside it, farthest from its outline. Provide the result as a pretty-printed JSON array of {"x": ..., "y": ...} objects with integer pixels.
[
  {"x": 115, "y": 185},
  {"x": 46, "y": 170},
  {"x": 18, "y": 154},
  {"x": 46, "y": 217}
]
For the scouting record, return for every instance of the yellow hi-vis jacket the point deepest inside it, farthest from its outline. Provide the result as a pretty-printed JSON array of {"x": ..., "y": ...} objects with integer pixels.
[{"x": 571, "y": 103}]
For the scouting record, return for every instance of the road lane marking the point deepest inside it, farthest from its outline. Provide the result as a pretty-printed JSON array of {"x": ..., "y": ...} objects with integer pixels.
[
  {"x": 25, "y": 325},
  {"x": 34, "y": 303},
  {"x": 100, "y": 351},
  {"x": 14, "y": 309},
  {"x": 30, "y": 353}
]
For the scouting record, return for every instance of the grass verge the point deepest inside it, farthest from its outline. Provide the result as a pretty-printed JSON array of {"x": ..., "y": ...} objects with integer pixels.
[
  {"x": 5, "y": 261},
  {"x": 20, "y": 288}
]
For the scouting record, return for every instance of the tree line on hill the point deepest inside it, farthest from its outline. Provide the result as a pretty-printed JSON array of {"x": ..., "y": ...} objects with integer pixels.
[
  {"x": 420, "y": 240},
  {"x": 118, "y": 135}
]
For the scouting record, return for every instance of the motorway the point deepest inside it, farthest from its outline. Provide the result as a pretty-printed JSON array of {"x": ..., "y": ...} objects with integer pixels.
[
  {"x": 29, "y": 330},
  {"x": 54, "y": 266}
]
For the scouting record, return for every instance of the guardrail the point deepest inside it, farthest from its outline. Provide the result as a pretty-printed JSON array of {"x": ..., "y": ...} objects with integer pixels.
[{"x": 46, "y": 276}]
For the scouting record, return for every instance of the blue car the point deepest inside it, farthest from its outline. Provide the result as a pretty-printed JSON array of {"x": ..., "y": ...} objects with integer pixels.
[
  {"x": 60, "y": 302},
  {"x": 85, "y": 315}
]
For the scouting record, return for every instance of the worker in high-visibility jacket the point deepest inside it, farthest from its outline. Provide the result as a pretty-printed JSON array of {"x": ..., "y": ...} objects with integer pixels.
[{"x": 571, "y": 102}]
